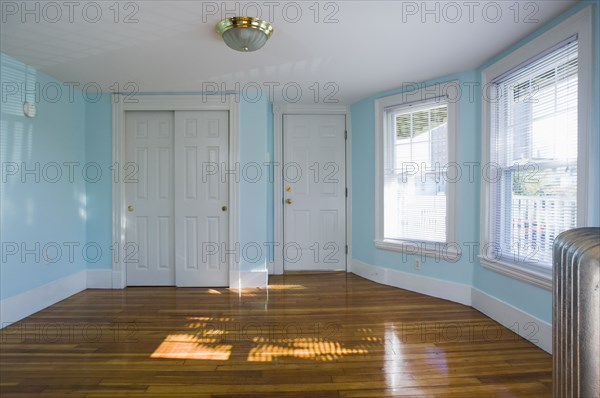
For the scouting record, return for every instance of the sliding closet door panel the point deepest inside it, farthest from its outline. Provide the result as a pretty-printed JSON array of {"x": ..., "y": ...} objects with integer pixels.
[
  {"x": 201, "y": 198},
  {"x": 148, "y": 178}
]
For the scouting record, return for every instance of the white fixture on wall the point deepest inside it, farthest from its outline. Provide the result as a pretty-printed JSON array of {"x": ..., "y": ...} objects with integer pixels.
[{"x": 29, "y": 109}]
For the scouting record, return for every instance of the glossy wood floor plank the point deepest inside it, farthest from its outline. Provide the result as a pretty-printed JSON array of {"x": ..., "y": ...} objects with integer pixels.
[{"x": 307, "y": 335}]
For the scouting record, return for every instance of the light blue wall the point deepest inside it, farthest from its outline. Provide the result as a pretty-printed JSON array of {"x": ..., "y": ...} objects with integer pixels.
[
  {"x": 363, "y": 181},
  {"x": 98, "y": 149},
  {"x": 256, "y": 129},
  {"x": 50, "y": 213},
  {"x": 80, "y": 211},
  {"x": 533, "y": 300},
  {"x": 254, "y": 184}
]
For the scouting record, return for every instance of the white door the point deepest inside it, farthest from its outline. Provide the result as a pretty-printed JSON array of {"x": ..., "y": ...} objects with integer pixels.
[
  {"x": 148, "y": 178},
  {"x": 201, "y": 198},
  {"x": 314, "y": 192}
]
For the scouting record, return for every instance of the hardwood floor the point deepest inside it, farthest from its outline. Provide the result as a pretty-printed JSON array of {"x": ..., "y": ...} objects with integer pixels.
[{"x": 308, "y": 335}]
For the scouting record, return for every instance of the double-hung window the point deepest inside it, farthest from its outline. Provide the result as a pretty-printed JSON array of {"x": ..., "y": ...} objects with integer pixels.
[
  {"x": 416, "y": 138},
  {"x": 534, "y": 177}
]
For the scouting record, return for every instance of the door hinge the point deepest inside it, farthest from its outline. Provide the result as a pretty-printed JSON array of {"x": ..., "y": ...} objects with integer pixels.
[
  {"x": 346, "y": 191},
  {"x": 346, "y": 249},
  {"x": 346, "y": 134}
]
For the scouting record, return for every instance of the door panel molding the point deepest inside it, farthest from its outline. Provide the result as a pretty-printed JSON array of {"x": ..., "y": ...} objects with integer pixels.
[
  {"x": 122, "y": 104},
  {"x": 298, "y": 109}
]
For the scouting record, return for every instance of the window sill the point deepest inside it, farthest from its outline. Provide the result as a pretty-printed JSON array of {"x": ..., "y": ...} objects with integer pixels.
[
  {"x": 439, "y": 251},
  {"x": 533, "y": 277}
]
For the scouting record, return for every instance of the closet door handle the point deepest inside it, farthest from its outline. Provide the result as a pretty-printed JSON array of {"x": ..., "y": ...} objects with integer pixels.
[{"x": 224, "y": 208}]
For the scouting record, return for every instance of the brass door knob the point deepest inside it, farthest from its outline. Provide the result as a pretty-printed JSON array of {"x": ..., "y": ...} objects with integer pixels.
[
  {"x": 224, "y": 208},
  {"x": 288, "y": 201},
  {"x": 130, "y": 208}
]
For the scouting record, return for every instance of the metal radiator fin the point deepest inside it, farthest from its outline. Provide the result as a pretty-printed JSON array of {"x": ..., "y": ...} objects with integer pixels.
[{"x": 576, "y": 323}]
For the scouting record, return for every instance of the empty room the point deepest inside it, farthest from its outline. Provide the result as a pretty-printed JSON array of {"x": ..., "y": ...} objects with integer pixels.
[{"x": 300, "y": 198}]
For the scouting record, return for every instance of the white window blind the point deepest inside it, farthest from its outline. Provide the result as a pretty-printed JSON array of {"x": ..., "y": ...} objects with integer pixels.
[
  {"x": 415, "y": 160},
  {"x": 534, "y": 156}
]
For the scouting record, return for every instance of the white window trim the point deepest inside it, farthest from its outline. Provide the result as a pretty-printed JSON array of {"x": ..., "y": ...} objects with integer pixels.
[
  {"x": 579, "y": 24},
  {"x": 405, "y": 98}
]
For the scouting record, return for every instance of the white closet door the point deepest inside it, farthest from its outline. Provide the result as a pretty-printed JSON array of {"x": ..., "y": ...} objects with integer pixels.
[
  {"x": 201, "y": 198},
  {"x": 314, "y": 193},
  {"x": 148, "y": 178}
]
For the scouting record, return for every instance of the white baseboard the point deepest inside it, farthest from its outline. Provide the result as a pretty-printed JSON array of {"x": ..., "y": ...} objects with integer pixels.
[
  {"x": 118, "y": 280},
  {"x": 533, "y": 329},
  {"x": 99, "y": 278},
  {"x": 248, "y": 279},
  {"x": 237, "y": 279},
  {"x": 452, "y": 291},
  {"x": 15, "y": 308}
]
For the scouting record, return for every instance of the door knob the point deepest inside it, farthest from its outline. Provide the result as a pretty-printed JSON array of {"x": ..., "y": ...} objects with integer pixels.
[
  {"x": 224, "y": 208},
  {"x": 288, "y": 201},
  {"x": 130, "y": 208}
]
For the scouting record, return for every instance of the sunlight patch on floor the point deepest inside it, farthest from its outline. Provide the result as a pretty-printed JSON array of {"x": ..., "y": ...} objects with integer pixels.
[
  {"x": 208, "y": 338},
  {"x": 309, "y": 348},
  {"x": 185, "y": 346},
  {"x": 286, "y": 287}
]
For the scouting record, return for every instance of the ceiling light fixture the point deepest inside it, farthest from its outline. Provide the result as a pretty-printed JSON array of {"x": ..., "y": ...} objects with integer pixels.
[{"x": 245, "y": 33}]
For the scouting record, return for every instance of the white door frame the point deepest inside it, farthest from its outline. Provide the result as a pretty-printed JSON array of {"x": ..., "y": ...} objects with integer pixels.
[
  {"x": 299, "y": 109},
  {"x": 122, "y": 104}
]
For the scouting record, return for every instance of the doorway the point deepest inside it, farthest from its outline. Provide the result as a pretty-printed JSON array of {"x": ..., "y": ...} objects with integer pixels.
[{"x": 314, "y": 192}]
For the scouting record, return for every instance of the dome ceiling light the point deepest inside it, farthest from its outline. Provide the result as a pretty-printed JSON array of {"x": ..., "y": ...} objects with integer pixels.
[{"x": 245, "y": 33}]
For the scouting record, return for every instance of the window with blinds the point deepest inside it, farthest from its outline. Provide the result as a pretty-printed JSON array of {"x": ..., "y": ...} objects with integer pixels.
[
  {"x": 416, "y": 156},
  {"x": 534, "y": 156}
]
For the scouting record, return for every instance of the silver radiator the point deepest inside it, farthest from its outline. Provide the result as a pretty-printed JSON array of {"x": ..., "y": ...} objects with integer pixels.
[{"x": 576, "y": 323}]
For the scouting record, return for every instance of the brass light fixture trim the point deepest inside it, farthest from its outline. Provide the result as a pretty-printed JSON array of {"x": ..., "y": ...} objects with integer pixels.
[{"x": 245, "y": 34}]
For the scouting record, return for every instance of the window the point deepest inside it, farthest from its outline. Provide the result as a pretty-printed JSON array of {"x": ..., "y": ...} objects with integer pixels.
[
  {"x": 534, "y": 184},
  {"x": 534, "y": 146},
  {"x": 416, "y": 143}
]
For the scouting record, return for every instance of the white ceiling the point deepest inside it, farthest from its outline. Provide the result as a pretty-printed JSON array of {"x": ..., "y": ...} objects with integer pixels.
[{"x": 173, "y": 47}]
